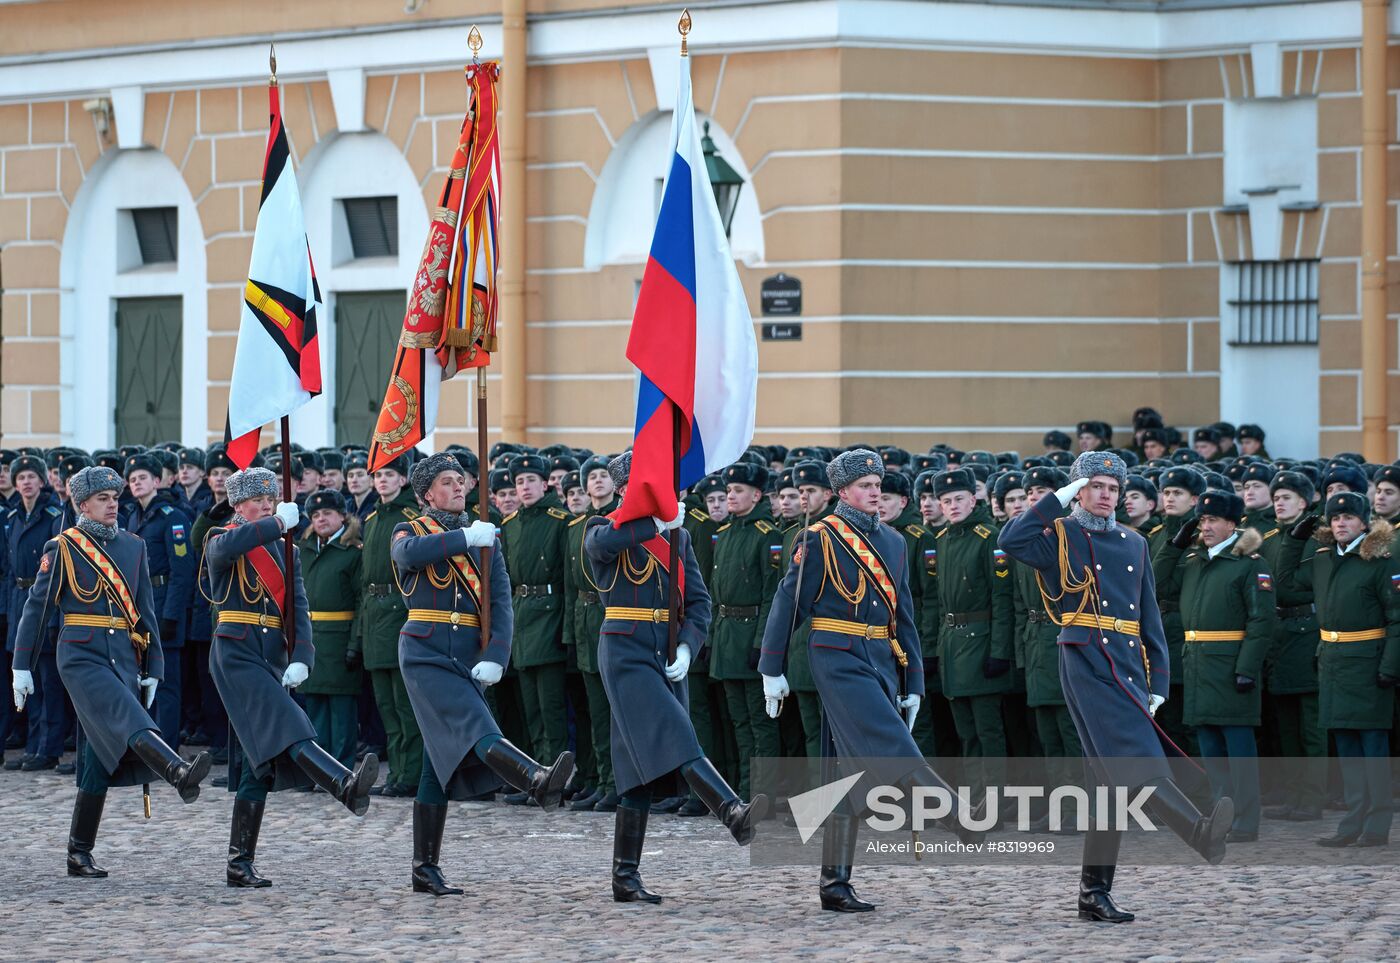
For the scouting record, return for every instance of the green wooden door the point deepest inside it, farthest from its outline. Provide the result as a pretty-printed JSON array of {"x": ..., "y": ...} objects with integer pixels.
[
  {"x": 148, "y": 370},
  {"x": 367, "y": 326}
]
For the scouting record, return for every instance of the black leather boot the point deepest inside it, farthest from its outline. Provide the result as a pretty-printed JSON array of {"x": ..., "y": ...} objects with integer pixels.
[
  {"x": 838, "y": 853},
  {"x": 925, "y": 776},
  {"x": 82, "y": 834},
  {"x": 351, "y": 788},
  {"x": 1204, "y": 834},
  {"x": 740, "y": 817},
  {"x": 544, "y": 786},
  {"x": 166, "y": 763},
  {"x": 243, "y": 845},
  {"x": 428, "y": 823},
  {"x": 629, "y": 832},
  {"x": 1096, "y": 878}
]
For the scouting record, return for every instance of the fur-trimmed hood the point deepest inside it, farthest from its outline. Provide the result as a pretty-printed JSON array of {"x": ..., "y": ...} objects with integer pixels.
[
  {"x": 1375, "y": 545},
  {"x": 1248, "y": 543}
]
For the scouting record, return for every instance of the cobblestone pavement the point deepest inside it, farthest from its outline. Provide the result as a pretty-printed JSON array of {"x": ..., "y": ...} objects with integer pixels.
[{"x": 537, "y": 888}]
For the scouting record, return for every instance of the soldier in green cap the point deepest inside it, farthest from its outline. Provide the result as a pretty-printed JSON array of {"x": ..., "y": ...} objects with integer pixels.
[
  {"x": 1180, "y": 490},
  {"x": 1228, "y": 615},
  {"x": 583, "y": 619},
  {"x": 814, "y": 493},
  {"x": 745, "y": 576},
  {"x": 975, "y": 645},
  {"x": 330, "y": 567},
  {"x": 381, "y": 617},
  {"x": 534, "y": 539}
]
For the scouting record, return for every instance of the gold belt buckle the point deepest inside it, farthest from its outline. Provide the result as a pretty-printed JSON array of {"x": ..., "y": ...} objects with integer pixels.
[
  {"x": 1190, "y": 635},
  {"x": 658, "y": 615},
  {"x": 262, "y": 619},
  {"x": 1332, "y": 636},
  {"x": 870, "y": 631},
  {"x": 1118, "y": 625},
  {"x": 112, "y": 621},
  {"x": 456, "y": 619}
]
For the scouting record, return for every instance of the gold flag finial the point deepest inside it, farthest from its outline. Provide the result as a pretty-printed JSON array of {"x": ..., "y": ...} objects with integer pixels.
[
  {"x": 474, "y": 41},
  {"x": 684, "y": 28},
  {"x": 272, "y": 64}
]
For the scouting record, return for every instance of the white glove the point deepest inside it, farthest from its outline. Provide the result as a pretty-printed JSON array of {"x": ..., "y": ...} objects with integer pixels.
[
  {"x": 675, "y": 523},
  {"x": 775, "y": 690},
  {"x": 288, "y": 514},
  {"x": 1154, "y": 702},
  {"x": 480, "y": 534},
  {"x": 676, "y": 671},
  {"x": 23, "y": 686},
  {"x": 149, "y": 684},
  {"x": 295, "y": 675},
  {"x": 910, "y": 704},
  {"x": 488, "y": 673},
  {"x": 1066, "y": 494}
]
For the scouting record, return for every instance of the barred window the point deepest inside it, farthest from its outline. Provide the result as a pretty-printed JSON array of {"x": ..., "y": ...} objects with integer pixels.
[
  {"x": 157, "y": 234},
  {"x": 1275, "y": 302},
  {"x": 374, "y": 226}
]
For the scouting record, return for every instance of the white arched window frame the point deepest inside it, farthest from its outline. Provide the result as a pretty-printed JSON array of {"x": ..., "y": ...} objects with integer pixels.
[
  {"x": 628, "y": 196},
  {"x": 91, "y": 280},
  {"x": 352, "y": 165}
]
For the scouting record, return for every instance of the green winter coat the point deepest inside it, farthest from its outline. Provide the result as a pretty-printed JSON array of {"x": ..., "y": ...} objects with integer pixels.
[
  {"x": 974, "y": 576},
  {"x": 381, "y": 615},
  {"x": 1038, "y": 646},
  {"x": 746, "y": 572},
  {"x": 583, "y": 620},
  {"x": 1289, "y": 668},
  {"x": 1169, "y": 596},
  {"x": 331, "y": 572},
  {"x": 1353, "y": 592},
  {"x": 919, "y": 543},
  {"x": 1233, "y": 592},
  {"x": 536, "y": 545}
]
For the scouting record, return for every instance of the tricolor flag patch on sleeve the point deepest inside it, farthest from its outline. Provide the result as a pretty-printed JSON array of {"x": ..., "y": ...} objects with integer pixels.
[
  {"x": 1395, "y": 582},
  {"x": 999, "y": 557},
  {"x": 1266, "y": 582}
]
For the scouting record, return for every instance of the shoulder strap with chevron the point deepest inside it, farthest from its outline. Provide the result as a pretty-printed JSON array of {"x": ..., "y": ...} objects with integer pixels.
[
  {"x": 463, "y": 568},
  {"x": 866, "y": 557},
  {"x": 107, "y": 572}
]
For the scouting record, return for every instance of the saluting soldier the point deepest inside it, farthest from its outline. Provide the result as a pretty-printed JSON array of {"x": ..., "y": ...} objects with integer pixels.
[
  {"x": 1228, "y": 613},
  {"x": 330, "y": 558},
  {"x": 1356, "y": 586},
  {"x": 742, "y": 584},
  {"x": 653, "y": 742},
  {"x": 252, "y": 589},
  {"x": 109, "y": 656},
  {"x": 851, "y": 578},
  {"x": 534, "y": 539},
  {"x": 447, "y": 669},
  {"x": 1113, "y": 659},
  {"x": 975, "y": 648},
  {"x": 381, "y": 617},
  {"x": 583, "y": 619}
]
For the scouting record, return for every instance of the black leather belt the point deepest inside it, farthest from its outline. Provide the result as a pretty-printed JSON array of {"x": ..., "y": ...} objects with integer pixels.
[
  {"x": 959, "y": 619},
  {"x": 532, "y": 591},
  {"x": 159, "y": 580},
  {"x": 383, "y": 591},
  {"x": 739, "y": 611},
  {"x": 589, "y": 598},
  {"x": 1295, "y": 611},
  {"x": 25, "y": 582},
  {"x": 1039, "y": 615}
]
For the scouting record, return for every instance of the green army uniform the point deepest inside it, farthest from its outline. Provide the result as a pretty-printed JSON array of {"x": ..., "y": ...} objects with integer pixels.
[
  {"x": 1038, "y": 644},
  {"x": 799, "y": 665},
  {"x": 331, "y": 571},
  {"x": 975, "y": 595},
  {"x": 1260, "y": 519},
  {"x": 382, "y": 616},
  {"x": 934, "y": 731},
  {"x": 583, "y": 621},
  {"x": 1358, "y": 613},
  {"x": 1290, "y": 687},
  {"x": 1228, "y": 617},
  {"x": 792, "y": 728},
  {"x": 708, "y": 713},
  {"x": 919, "y": 541},
  {"x": 1169, "y": 716},
  {"x": 745, "y": 577},
  {"x": 535, "y": 542}
]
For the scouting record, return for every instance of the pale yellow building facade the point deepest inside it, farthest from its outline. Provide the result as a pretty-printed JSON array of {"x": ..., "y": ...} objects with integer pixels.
[{"x": 1004, "y": 218}]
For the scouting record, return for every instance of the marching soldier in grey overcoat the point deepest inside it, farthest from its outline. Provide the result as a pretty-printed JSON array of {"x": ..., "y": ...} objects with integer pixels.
[
  {"x": 1113, "y": 660},
  {"x": 254, "y": 670},
  {"x": 653, "y": 740},
  {"x": 446, "y": 670},
  {"x": 864, "y": 653},
  {"x": 109, "y": 657}
]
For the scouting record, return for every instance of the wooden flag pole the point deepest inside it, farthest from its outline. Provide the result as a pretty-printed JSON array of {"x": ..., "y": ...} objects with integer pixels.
[{"x": 289, "y": 620}]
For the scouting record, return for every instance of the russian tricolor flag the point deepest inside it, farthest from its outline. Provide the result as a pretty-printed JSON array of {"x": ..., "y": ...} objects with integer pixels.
[{"x": 692, "y": 336}]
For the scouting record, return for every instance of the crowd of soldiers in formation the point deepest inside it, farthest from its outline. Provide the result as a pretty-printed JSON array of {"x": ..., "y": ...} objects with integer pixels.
[{"x": 994, "y": 692}]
